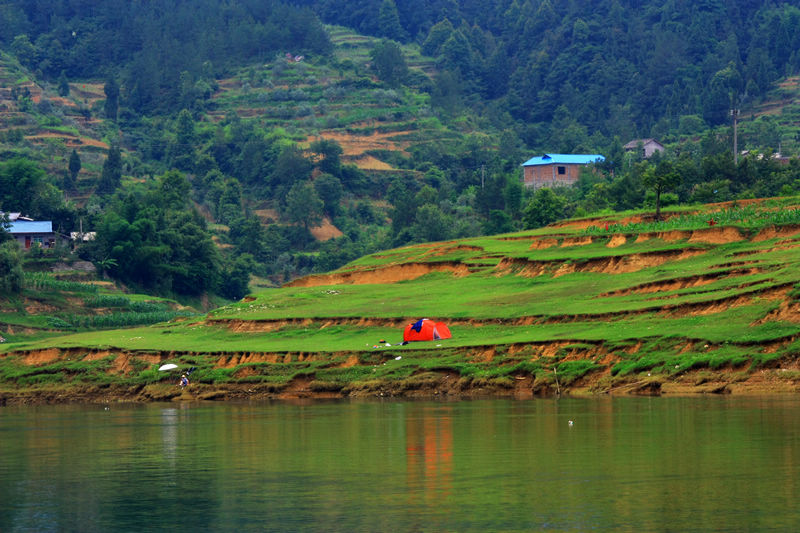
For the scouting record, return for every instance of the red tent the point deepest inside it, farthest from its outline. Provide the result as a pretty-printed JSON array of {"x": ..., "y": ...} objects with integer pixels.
[{"x": 426, "y": 330}]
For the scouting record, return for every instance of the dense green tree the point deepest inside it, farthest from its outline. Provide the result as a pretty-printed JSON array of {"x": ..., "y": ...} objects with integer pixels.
[
  {"x": 513, "y": 194},
  {"x": 490, "y": 196},
  {"x": 11, "y": 273},
  {"x": 303, "y": 205},
  {"x": 111, "y": 175},
  {"x": 389, "y": 63},
  {"x": 173, "y": 190},
  {"x": 329, "y": 189},
  {"x": 660, "y": 179},
  {"x": 404, "y": 206},
  {"x": 431, "y": 224},
  {"x": 389, "y": 21},
  {"x": 498, "y": 222},
  {"x": 24, "y": 50},
  {"x": 63, "y": 84},
  {"x": 426, "y": 195},
  {"x": 22, "y": 183},
  {"x": 74, "y": 165},
  {"x": 456, "y": 53},
  {"x": 328, "y": 156},
  {"x": 156, "y": 240},
  {"x": 248, "y": 236},
  {"x": 182, "y": 151},
  {"x": 447, "y": 91},
  {"x": 290, "y": 166},
  {"x": 191, "y": 258},
  {"x": 235, "y": 278},
  {"x": 545, "y": 207},
  {"x": 111, "y": 106},
  {"x": 437, "y": 36}
]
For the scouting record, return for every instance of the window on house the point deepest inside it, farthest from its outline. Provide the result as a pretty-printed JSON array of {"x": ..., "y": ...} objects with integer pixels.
[{"x": 562, "y": 170}]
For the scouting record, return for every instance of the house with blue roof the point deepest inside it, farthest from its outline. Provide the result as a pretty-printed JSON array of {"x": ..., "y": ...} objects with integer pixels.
[
  {"x": 33, "y": 232},
  {"x": 556, "y": 170}
]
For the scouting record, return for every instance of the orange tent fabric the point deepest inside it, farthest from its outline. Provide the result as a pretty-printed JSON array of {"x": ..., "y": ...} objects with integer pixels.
[{"x": 426, "y": 330}]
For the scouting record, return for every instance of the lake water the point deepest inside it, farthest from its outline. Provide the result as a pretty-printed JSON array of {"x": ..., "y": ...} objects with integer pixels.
[{"x": 625, "y": 464}]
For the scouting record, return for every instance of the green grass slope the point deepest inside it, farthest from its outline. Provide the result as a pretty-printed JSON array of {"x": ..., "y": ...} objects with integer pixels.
[
  {"x": 638, "y": 306},
  {"x": 70, "y": 299}
]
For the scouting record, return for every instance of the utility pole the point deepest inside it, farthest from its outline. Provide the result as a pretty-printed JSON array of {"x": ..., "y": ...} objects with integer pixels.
[
  {"x": 735, "y": 115},
  {"x": 483, "y": 171}
]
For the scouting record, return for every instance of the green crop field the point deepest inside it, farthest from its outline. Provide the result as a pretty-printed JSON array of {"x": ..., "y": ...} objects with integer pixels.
[{"x": 562, "y": 306}]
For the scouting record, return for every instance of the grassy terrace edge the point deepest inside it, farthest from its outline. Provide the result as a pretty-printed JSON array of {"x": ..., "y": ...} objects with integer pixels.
[{"x": 642, "y": 307}]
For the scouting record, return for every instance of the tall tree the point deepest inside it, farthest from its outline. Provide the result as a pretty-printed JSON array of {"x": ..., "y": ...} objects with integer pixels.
[
  {"x": 111, "y": 176},
  {"x": 111, "y": 107},
  {"x": 21, "y": 183},
  {"x": 11, "y": 274},
  {"x": 438, "y": 34},
  {"x": 389, "y": 21},
  {"x": 63, "y": 84},
  {"x": 328, "y": 156},
  {"x": 544, "y": 208},
  {"x": 303, "y": 205},
  {"x": 182, "y": 151},
  {"x": 329, "y": 188},
  {"x": 660, "y": 178},
  {"x": 388, "y": 61},
  {"x": 74, "y": 165}
]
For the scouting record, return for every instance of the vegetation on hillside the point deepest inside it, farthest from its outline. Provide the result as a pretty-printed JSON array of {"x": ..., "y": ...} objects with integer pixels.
[
  {"x": 289, "y": 132},
  {"x": 640, "y": 304}
]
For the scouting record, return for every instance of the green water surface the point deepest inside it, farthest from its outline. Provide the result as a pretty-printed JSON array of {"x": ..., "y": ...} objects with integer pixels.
[{"x": 625, "y": 464}]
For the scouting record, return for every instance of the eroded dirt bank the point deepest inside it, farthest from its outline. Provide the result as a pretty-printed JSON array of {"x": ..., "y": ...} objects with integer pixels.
[
  {"x": 781, "y": 377},
  {"x": 441, "y": 385}
]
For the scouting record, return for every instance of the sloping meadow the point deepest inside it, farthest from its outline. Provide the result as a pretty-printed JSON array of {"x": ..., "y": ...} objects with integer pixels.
[{"x": 708, "y": 296}]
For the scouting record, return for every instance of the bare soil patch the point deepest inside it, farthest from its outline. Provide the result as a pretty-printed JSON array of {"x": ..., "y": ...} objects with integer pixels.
[
  {"x": 617, "y": 240},
  {"x": 723, "y": 304},
  {"x": 680, "y": 283},
  {"x": 576, "y": 241},
  {"x": 608, "y": 265},
  {"x": 326, "y": 231},
  {"x": 390, "y": 274},
  {"x": 717, "y": 235},
  {"x": 40, "y": 357},
  {"x": 543, "y": 244},
  {"x": 773, "y": 232},
  {"x": 69, "y": 140},
  {"x": 367, "y": 162},
  {"x": 788, "y": 311}
]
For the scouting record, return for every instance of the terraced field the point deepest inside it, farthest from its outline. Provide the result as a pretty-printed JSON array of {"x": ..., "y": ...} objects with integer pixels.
[
  {"x": 643, "y": 306},
  {"x": 37, "y": 122},
  {"x": 341, "y": 101}
]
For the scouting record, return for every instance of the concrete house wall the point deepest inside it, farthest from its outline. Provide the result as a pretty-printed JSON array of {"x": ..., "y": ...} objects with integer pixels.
[{"x": 556, "y": 170}]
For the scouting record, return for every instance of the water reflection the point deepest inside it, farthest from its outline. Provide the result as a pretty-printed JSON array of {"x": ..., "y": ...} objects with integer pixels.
[
  {"x": 429, "y": 457},
  {"x": 625, "y": 465}
]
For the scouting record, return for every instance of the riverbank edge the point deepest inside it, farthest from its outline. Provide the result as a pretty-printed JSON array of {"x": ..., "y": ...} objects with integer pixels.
[{"x": 444, "y": 388}]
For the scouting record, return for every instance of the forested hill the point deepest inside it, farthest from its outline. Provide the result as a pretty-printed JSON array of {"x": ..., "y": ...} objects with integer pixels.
[
  {"x": 620, "y": 67},
  {"x": 147, "y": 45},
  {"x": 212, "y": 144}
]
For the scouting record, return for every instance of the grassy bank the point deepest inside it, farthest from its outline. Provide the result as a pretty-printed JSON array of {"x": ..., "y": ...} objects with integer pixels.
[{"x": 573, "y": 306}]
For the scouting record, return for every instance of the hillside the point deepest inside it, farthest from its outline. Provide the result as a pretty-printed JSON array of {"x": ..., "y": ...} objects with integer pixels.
[
  {"x": 62, "y": 298},
  {"x": 704, "y": 301},
  {"x": 341, "y": 101}
]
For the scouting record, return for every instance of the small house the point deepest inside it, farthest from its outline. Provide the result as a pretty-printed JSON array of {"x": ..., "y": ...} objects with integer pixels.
[
  {"x": 556, "y": 170},
  {"x": 30, "y": 232},
  {"x": 647, "y": 146}
]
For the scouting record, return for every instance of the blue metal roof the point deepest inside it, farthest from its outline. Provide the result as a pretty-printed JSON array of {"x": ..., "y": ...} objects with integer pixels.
[
  {"x": 28, "y": 226},
  {"x": 563, "y": 159}
]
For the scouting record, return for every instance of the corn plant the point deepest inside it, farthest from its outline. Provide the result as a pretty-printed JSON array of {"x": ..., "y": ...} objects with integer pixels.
[{"x": 43, "y": 281}]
